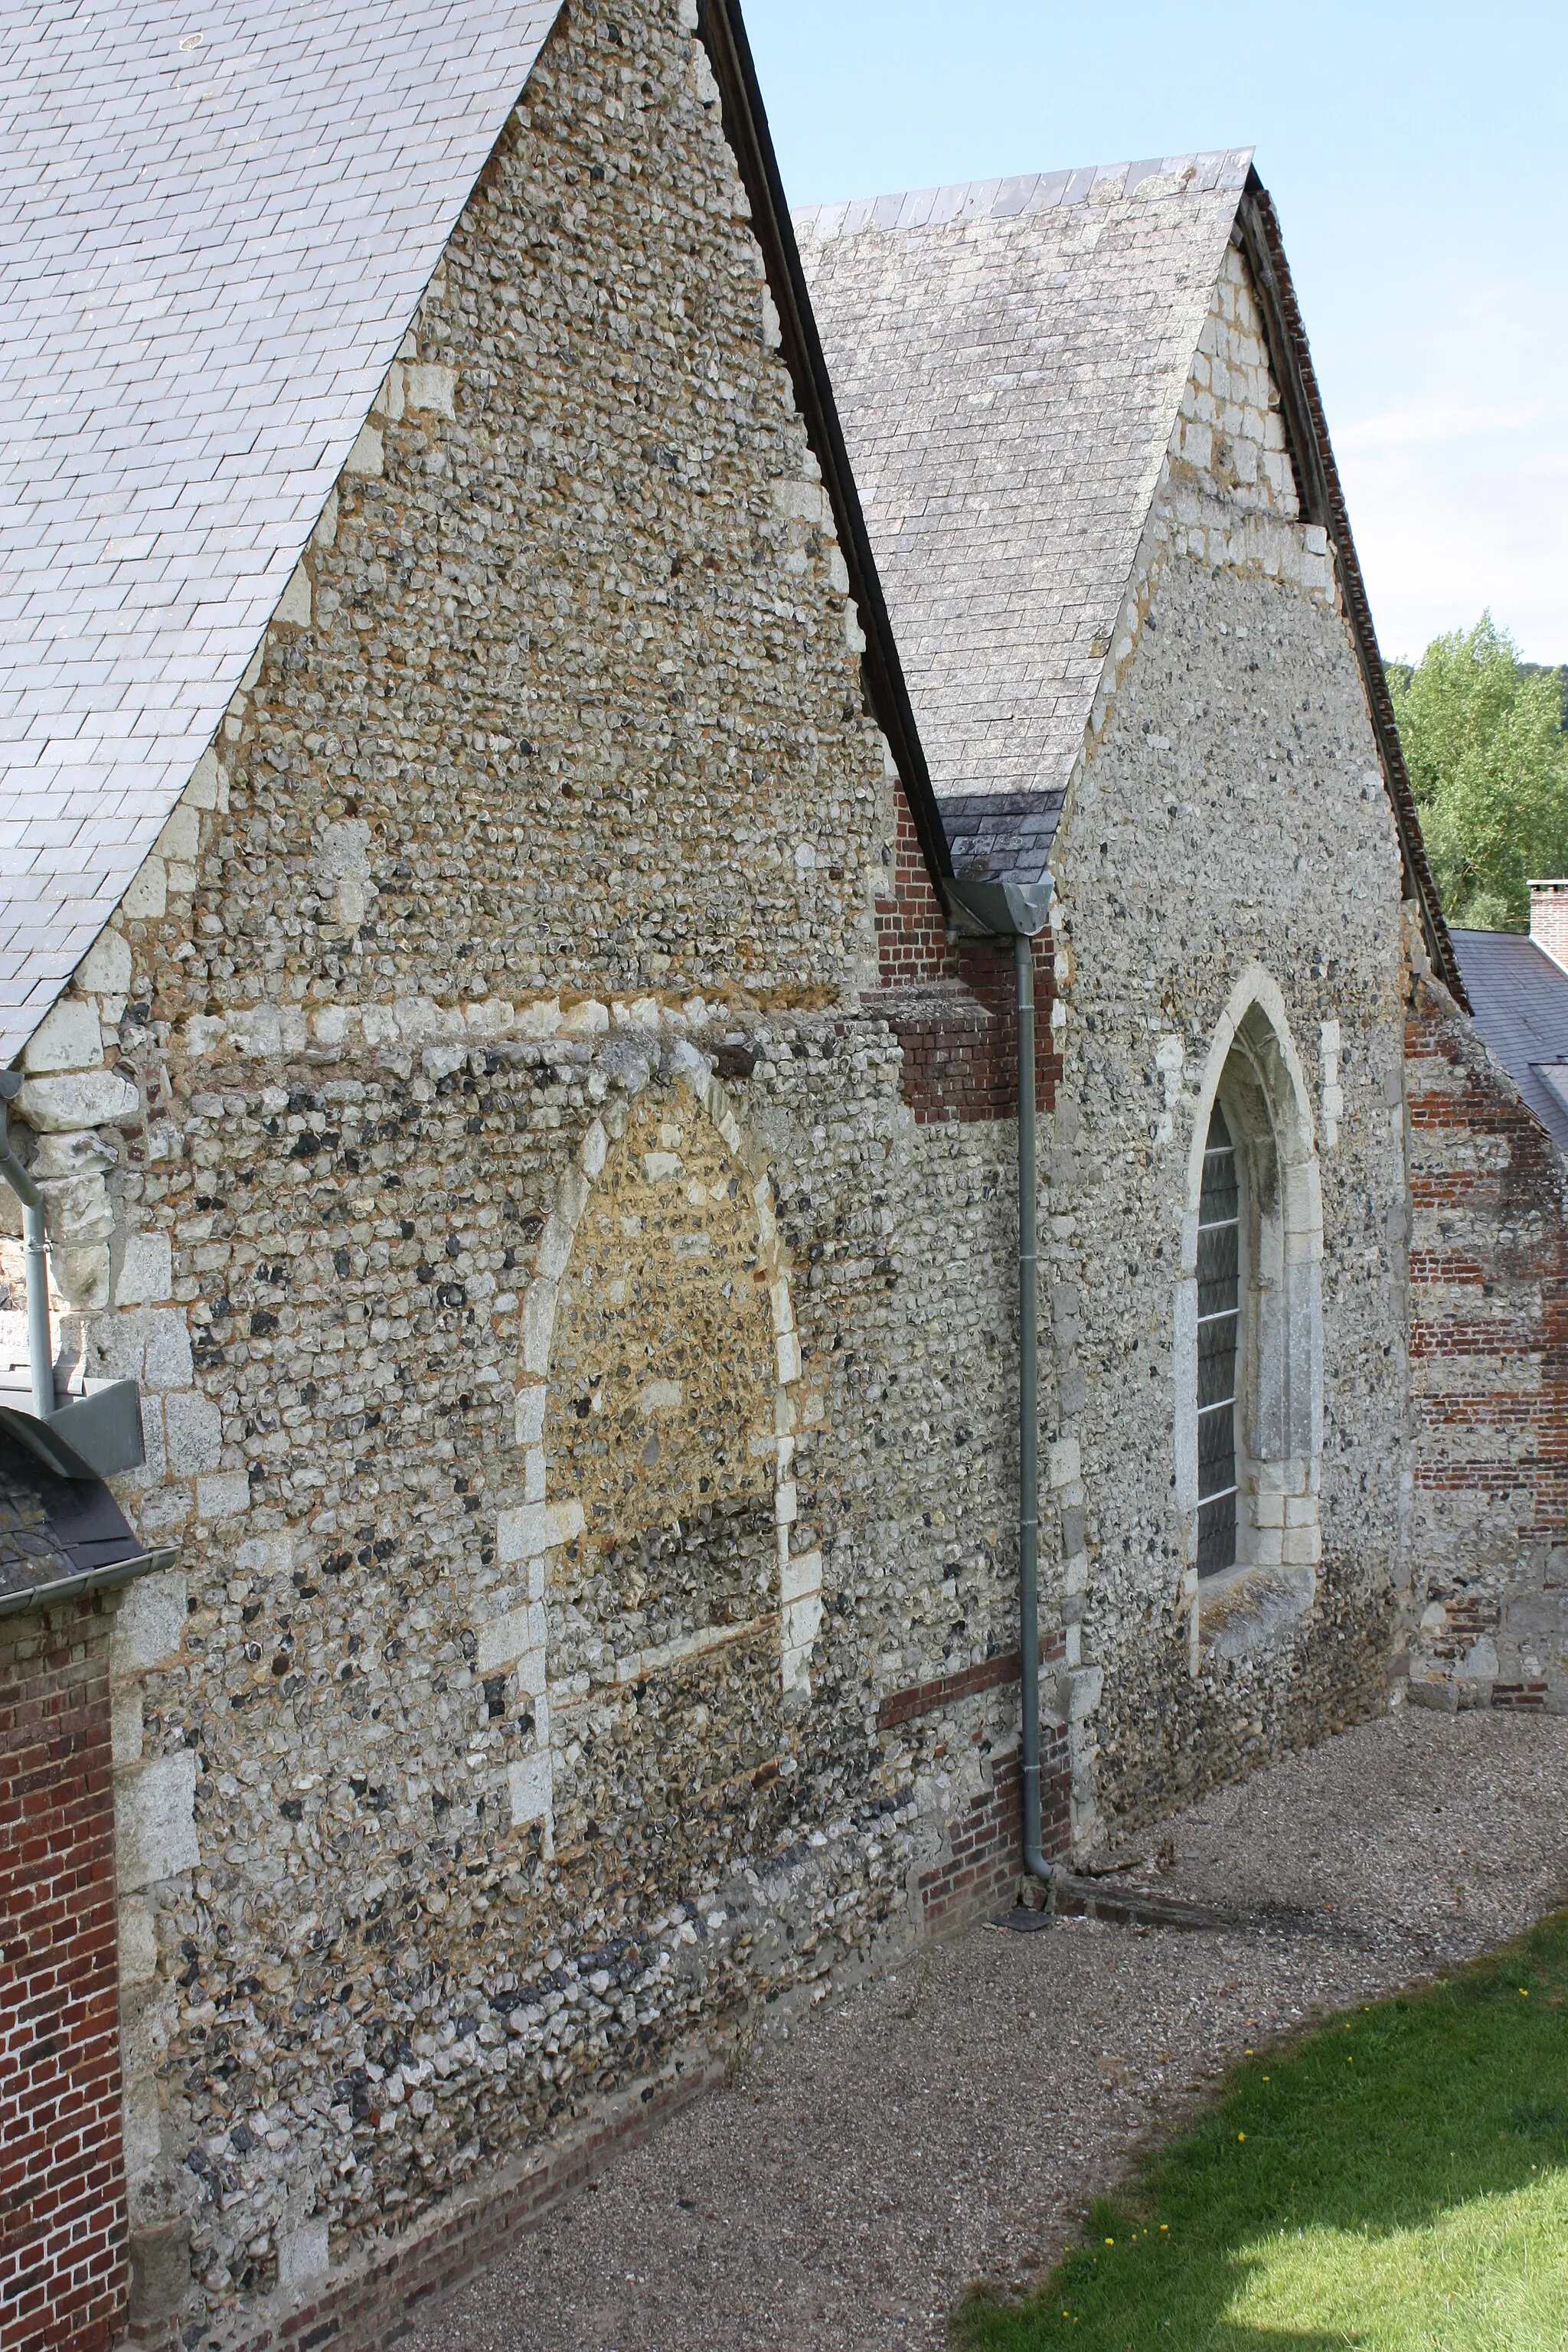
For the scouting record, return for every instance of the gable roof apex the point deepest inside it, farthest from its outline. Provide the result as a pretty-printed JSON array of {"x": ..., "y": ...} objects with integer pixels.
[{"x": 1029, "y": 193}]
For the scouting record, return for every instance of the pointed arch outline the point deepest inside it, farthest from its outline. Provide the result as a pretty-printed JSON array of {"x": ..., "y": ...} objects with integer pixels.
[
  {"x": 515, "y": 1639},
  {"x": 1254, "y": 1070}
]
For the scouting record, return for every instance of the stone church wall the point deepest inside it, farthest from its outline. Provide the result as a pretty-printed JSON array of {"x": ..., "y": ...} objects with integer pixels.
[
  {"x": 1227, "y": 818},
  {"x": 1488, "y": 1346},
  {"x": 577, "y": 1380}
]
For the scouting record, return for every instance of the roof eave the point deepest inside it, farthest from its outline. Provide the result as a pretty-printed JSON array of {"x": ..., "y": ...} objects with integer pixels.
[
  {"x": 1323, "y": 501},
  {"x": 723, "y": 34}
]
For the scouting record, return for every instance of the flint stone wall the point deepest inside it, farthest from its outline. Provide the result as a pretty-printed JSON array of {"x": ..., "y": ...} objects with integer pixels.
[
  {"x": 1228, "y": 813},
  {"x": 548, "y": 818}
]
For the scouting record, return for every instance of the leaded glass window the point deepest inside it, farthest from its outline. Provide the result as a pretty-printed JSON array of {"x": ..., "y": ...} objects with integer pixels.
[{"x": 1219, "y": 1304}]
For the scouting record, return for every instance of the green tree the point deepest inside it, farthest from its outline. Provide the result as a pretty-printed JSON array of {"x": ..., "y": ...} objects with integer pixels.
[{"x": 1488, "y": 759}]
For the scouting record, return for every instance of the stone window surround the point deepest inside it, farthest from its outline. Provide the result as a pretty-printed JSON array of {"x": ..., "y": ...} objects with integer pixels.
[
  {"x": 514, "y": 1639},
  {"x": 1254, "y": 1070}
]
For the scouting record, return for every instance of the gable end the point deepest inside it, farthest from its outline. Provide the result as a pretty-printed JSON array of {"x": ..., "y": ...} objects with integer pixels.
[{"x": 1322, "y": 502}]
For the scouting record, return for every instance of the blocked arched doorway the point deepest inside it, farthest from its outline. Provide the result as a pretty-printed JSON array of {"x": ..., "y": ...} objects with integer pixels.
[{"x": 671, "y": 1619}]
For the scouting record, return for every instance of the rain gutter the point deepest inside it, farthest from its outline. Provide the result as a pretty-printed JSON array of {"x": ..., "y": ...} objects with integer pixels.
[{"x": 1018, "y": 912}]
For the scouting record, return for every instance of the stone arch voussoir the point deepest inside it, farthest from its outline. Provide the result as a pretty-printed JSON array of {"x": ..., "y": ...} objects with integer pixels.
[{"x": 514, "y": 1639}]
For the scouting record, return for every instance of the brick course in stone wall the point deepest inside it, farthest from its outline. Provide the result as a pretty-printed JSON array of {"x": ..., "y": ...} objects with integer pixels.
[
  {"x": 62, "y": 2185},
  {"x": 1489, "y": 1350}
]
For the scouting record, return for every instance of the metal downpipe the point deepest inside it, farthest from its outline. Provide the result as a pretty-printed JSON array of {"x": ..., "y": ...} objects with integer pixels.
[
  {"x": 40, "y": 1339},
  {"x": 1035, "y": 1861}
]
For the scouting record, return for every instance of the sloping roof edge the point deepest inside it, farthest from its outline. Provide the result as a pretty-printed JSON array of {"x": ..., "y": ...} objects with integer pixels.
[
  {"x": 723, "y": 34},
  {"x": 1323, "y": 501}
]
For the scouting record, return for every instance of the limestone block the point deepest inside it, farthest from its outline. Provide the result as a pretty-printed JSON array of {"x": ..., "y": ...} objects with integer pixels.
[
  {"x": 529, "y": 1788},
  {"x": 800, "y": 1577},
  {"x": 167, "y": 1359},
  {"x": 802, "y": 1621},
  {"x": 1062, "y": 1465},
  {"x": 365, "y": 457},
  {"x": 147, "y": 895},
  {"x": 1077, "y": 1694},
  {"x": 180, "y": 836},
  {"x": 154, "y": 1828},
  {"x": 148, "y": 1623},
  {"x": 126, "y": 1729},
  {"x": 193, "y": 1427},
  {"x": 268, "y": 1031},
  {"x": 159, "y": 2255},
  {"x": 105, "y": 970},
  {"x": 303, "y": 2254},
  {"x": 77, "y": 1211},
  {"x": 530, "y": 1423},
  {"x": 801, "y": 501},
  {"x": 137, "y": 1941},
  {"x": 205, "y": 788},
  {"x": 504, "y": 1639},
  {"x": 1479, "y": 1663},
  {"x": 82, "y": 1152},
  {"x": 223, "y": 1496},
  {"x": 82, "y": 1276},
  {"x": 96, "y": 1098},
  {"x": 67, "y": 1038},
  {"x": 146, "y": 1272},
  {"x": 429, "y": 386},
  {"x": 141, "y": 2123}
]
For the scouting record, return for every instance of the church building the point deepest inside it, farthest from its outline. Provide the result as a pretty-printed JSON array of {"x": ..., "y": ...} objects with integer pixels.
[{"x": 523, "y": 673}]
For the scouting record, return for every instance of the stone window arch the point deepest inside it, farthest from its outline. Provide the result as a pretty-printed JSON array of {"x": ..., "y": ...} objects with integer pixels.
[
  {"x": 651, "y": 1588},
  {"x": 1252, "y": 1098}
]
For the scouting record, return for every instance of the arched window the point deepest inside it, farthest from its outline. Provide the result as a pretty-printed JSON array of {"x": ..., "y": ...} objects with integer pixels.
[
  {"x": 1219, "y": 1317},
  {"x": 1248, "y": 1322}
]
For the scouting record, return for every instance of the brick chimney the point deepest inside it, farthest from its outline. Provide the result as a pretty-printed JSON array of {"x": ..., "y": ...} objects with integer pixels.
[{"x": 1549, "y": 919}]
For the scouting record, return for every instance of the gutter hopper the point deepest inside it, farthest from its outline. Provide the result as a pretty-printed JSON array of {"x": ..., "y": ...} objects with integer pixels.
[{"x": 998, "y": 910}]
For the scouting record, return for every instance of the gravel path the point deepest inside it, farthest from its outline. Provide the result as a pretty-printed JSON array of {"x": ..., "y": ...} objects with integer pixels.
[{"x": 951, "y": 2122}]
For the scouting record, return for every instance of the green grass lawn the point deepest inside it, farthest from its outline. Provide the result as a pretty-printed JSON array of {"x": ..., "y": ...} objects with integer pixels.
[{"x": 1397, "y": 2183}]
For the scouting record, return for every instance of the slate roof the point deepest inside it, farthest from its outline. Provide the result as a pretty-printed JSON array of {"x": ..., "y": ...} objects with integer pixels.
[
  {"x": 1008, "y": 358},
  {"x": 208, "y": 257},
  {"x": 1519, "y": 997},
  {"x": 57, "y": 1535}
]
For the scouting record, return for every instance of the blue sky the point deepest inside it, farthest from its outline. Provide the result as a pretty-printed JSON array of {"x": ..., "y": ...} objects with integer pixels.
[{"x": 1418, "y": 156}]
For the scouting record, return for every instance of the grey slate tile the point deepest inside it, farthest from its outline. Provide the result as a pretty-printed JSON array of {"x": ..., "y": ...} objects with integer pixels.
[
  {"x": 1007, "y": 362},
  {"x": 187, "y": 239}
]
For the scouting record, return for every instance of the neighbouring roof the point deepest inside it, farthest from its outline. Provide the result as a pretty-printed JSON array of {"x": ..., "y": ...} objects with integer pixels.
[
  {"x": 1519, "y": 998},
  {"x": 208, "y": 257},
  {"x": 1008, "y": 359},
  {"x": 60, "y": 1537}
]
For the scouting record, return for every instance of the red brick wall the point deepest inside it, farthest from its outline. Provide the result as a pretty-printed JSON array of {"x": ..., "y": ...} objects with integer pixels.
[
  {"x": 62, "y": 2191},
  {"x": 1489, "y": 1359},
  {"x": 976, "y": 1874},
  {"x": 953, "y": 1002}
]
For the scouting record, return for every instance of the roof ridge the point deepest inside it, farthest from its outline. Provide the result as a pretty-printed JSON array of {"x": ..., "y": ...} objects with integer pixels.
[{"x": 1029, "y": 191}]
